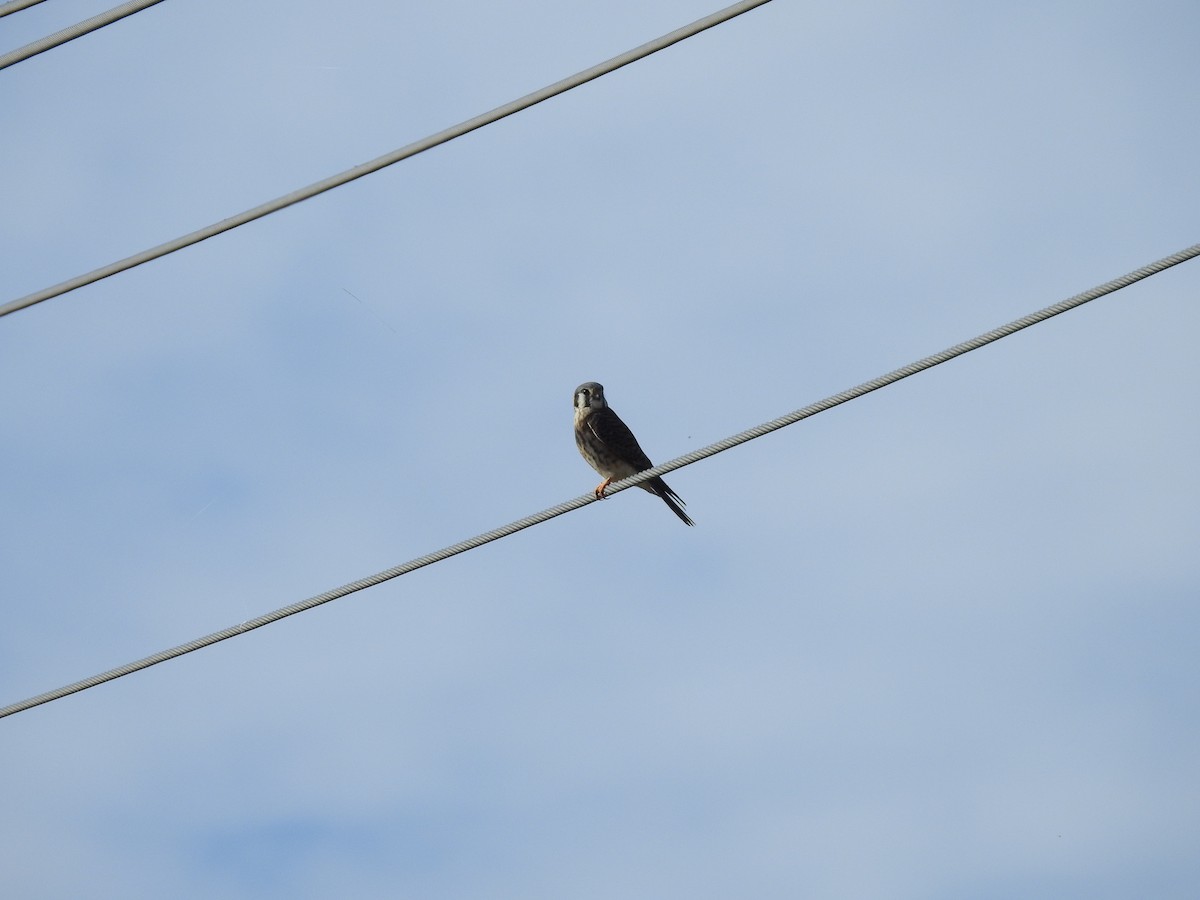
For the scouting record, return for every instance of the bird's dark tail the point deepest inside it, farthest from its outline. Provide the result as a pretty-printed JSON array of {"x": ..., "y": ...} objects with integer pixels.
[{"x": 672, "y": 499}]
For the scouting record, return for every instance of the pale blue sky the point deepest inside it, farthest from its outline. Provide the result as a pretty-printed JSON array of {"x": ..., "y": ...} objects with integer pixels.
[{"x": 937, "y": 643}]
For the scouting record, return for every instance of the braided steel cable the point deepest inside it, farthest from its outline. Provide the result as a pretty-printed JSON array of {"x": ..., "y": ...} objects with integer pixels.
[
  {"x": 388, "y": 159},
  {"x": 79, "y": 29},
  {"x": 7, "y": 9},
  {"x": 687, "y": 459}
]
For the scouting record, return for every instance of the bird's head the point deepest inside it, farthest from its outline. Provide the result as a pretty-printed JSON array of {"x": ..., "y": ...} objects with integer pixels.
[{"x": 589, "y": 395}]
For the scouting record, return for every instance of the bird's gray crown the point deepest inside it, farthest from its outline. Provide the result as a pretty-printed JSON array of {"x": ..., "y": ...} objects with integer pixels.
[{"x": 590, "y": 393}]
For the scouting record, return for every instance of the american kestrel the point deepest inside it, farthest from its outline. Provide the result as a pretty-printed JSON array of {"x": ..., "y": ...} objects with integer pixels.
[{"x": 611, "y": 449}]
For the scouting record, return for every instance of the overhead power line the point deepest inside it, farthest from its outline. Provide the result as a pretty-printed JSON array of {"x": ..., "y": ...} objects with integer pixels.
[
  {"x": 395, "y": 156},
  {"x": 7, "y": 9},
  {"x": 79, "y": 29},
  {"x": 679, "y": 462}
]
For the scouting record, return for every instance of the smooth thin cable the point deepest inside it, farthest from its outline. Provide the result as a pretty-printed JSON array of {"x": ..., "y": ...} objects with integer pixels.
[
  {"x": 7, "y": 9},
  {"x": 395, "y": 156},
  {"x": 679, "y": 462},
  {"x": 79, "y": 29}
]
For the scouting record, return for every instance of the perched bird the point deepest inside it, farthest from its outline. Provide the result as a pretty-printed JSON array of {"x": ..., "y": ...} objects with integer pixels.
[{"x": 611, "y": 449}]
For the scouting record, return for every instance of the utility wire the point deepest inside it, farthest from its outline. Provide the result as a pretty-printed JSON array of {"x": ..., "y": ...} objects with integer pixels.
[
  {"x": 79, "y": 29},
  {"x": 7, "y": 9},
  {"x": 687, "y": 459},
  {"x": 388, "y": 159}
]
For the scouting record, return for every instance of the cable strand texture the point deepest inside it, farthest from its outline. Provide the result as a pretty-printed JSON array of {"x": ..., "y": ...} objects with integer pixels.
[
  {"x": 7, "y": 9},
  {"x": 79, "y": 29}
]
